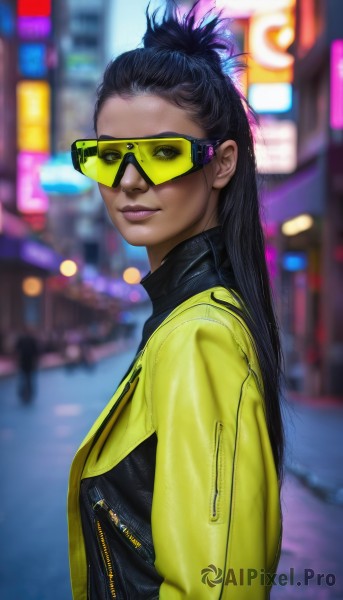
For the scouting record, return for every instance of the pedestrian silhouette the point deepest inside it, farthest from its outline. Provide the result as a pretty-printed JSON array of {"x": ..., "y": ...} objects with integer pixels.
[{"x": 27, "y": 352}]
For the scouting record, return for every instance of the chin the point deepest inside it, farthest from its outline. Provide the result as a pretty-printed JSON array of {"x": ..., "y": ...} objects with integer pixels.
[
  {"x": 134, "y": 238},
  {"x": 135, "y": 242}
]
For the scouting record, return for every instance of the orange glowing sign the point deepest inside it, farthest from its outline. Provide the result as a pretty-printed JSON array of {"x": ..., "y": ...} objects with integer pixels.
[
  {"x": 270, "y": 35},
  {"x": 33, "y": 101}
]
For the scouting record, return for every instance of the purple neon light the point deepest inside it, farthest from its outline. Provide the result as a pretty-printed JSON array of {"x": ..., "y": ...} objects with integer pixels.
[
  {"x": 39, "y": 255},
  {"x": 34, "y": 28},
  {"x": 336, "y": 101}
]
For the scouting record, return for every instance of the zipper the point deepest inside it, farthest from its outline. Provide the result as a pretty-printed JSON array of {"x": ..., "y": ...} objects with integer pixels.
[
  {"x": 119, "y": 525},
  {"x": 104, "y": 549},
  {"x": 105, "y": 553},
  {"x": 217, "y": 469},
  {"x": 115, "y": 406},
  {"x": 123, "y": 394}
]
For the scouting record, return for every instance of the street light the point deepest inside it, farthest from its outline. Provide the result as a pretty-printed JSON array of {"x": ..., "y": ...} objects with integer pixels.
[
  {"x": 297, "y": 225},
  {"x": 68, "y": 268}
]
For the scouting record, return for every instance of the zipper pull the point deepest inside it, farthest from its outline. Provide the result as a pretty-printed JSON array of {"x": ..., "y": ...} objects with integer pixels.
[
  {"x": 99, "y": 504},
  {"x": 135, "y": 374}
]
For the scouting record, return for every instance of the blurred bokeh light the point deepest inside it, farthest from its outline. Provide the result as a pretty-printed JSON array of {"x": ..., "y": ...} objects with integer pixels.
[
  {"x": 132, "y": 275},
  {"x": 68, "y": 268}
]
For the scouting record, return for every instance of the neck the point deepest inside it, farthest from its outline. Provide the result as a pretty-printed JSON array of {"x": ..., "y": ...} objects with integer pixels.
[
  {"x": 196, "y": 264},
  {"x": 157, "y": 253}
]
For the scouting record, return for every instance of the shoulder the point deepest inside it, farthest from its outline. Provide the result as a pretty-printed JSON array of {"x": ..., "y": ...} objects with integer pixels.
[
  {"x": 201, "y": 361},
  {"x": 208, "y": 325}
]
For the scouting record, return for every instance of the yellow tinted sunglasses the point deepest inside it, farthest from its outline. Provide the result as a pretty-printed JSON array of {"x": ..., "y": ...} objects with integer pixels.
[{"x": 158, "y": 159}]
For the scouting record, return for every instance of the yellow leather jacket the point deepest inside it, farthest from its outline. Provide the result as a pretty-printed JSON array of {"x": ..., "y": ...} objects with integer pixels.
[{"x": 216, "y": 520}]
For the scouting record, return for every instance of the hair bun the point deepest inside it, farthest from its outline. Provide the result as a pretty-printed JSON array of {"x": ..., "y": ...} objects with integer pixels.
[{"x": 182, "y": 34}]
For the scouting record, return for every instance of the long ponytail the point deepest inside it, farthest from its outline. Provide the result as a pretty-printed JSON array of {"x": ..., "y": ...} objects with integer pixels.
[{"x": 191, "y": 64}]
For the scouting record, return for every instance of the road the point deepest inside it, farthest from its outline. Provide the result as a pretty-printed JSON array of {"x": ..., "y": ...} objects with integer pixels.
[{"x": 37, "y": 443}]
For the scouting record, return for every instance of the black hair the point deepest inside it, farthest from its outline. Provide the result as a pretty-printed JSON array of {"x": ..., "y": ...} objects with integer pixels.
[{"x": 186, "y": 62}]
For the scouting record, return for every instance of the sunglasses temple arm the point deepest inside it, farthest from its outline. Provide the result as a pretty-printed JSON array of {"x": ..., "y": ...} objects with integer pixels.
[{"x": 75, "y": 159}]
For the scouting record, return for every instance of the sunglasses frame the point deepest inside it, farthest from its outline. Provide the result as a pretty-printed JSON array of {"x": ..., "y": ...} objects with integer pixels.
[{"x": 199, "y": 149}]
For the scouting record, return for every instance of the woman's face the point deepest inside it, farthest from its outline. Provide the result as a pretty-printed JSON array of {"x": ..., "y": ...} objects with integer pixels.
[{"x": 156, "y": 216}]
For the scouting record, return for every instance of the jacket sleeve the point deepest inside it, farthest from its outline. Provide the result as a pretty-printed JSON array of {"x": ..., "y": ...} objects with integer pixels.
[{"x": 215, "y": 513}]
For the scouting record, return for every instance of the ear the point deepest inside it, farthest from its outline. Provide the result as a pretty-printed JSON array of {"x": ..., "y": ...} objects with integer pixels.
[{"x": 225, "y": 164}]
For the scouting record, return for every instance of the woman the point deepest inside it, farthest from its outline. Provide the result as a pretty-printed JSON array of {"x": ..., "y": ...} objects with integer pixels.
[{"x": 174, "y": 493}]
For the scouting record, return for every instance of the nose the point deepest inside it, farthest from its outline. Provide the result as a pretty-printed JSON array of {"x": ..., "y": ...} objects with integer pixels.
[{"x": 132, "y": 180}]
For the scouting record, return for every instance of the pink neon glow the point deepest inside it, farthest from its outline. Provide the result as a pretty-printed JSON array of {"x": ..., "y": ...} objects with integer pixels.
[
  {"x": 271, "y": 258},
  {"x": 34, "y": 27},
  {"x": 336, "y": 101},
  {"x": 31, "y": 197}
]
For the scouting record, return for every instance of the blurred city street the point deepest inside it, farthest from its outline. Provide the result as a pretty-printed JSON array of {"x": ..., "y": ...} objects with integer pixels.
[
  {"x": 37, "y": 443},
  {"x": 71, "y": 300},
  {"x": 312, "y": 501}
]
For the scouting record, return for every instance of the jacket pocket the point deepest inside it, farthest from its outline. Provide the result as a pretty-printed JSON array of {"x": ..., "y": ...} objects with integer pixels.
[
  {"x": 121, "y": 526},
  {"x": 217, "y": 468}
]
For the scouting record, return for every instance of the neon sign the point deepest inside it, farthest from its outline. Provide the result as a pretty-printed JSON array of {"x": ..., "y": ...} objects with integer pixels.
[
  {"x": 38, "y": 8},
  {"x": 276, "y": 146},
  {"x": 32, "y": 60},
  {"x": 245, "y": 8},
  {"x": 336, "y": 100},
  {"x": 36, "y": 28},
  {"x": 31, "y": 197},
  {"x": 33, "y": 115},
  {"x": 270, "y": 97},
  {"x": 270, "y": 35}
]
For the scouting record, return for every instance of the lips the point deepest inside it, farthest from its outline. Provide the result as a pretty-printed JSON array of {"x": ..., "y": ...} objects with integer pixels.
[
  {"x": 137, "y": 208},
  {"x": 138, "y": 212}
]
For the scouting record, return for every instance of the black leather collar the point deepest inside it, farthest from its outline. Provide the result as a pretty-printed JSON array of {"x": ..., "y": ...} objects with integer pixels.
[{"x": 194, "y": 265}]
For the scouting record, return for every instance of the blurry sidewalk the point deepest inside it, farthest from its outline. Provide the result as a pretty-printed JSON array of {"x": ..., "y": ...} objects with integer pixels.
[
  {"x": 314, "y": 449},
  {"x": 50, "y": 360},
  {"x": 312, "y": 501},
  {"x": 313, "y": 428}
]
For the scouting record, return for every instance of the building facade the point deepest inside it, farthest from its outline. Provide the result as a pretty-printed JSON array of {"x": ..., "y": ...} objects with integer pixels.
[{"x": 305, "y": 210}]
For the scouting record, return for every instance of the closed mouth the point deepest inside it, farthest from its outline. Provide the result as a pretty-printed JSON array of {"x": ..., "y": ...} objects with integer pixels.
[{"x": 138, "y": 208}]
